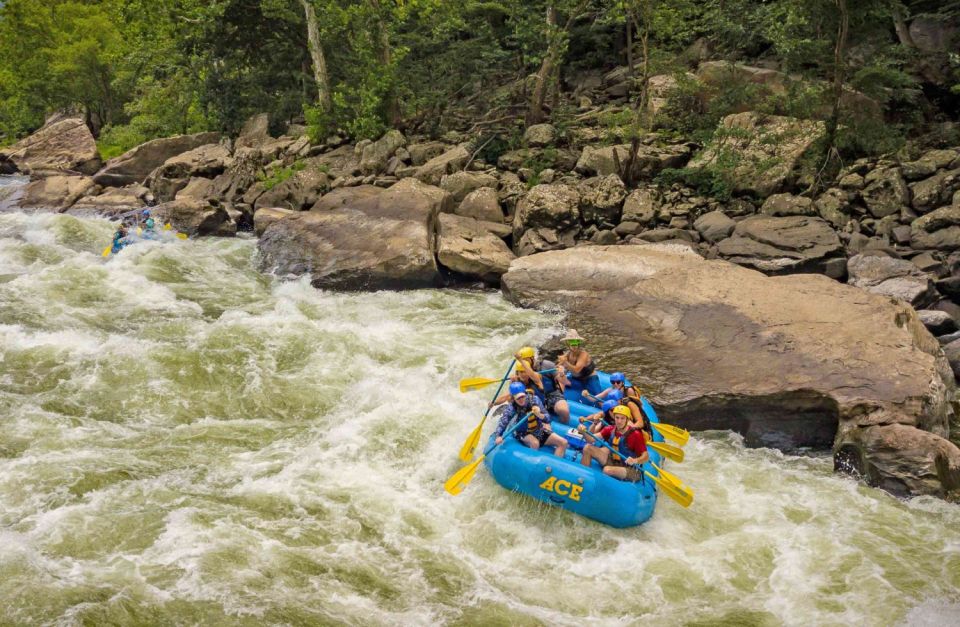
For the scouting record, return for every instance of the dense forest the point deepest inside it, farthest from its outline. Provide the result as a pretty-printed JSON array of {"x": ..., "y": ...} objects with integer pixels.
[{"x": 140, "y": 69}]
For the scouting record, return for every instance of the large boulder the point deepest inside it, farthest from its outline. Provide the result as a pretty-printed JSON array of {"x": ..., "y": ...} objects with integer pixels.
[
  {"x": 788, "y": 362},
  {"x": 938, "y": 230},
  {"x": 300, "y": 191},
  {"x": 375, "y": 155},
  {"x": 460, "y": 184},
  {"x": 935, "y": 191},
  {"x": 892, "y": 277},
  {"x": 650, "y": 160},
  {"x": 481, "y": 204},
  {"x": 193, "y": 217},
  {"x": 135, "y": 165},
  {"x": 767, "y": 150},
  {"x": 449, "y": 162},
  {"x": 55, "y": 192},
  {"x": 601, "y": 200},
  {"x": 362, "y": 239},
  {"x": 780, "y": 205},
  {"x": 886, "y": 193},
  {"x": 467, "y": 247},
  {"x": 714, "y": 226},
  {"x": 61, "y": 145},
  {"x": 540, "y": 135},
  {"x": 782, "y": 245},
  {"x": 549, "y": 206},
  {"x": 266, "y": 216},
  {"x": 641, "y": 206},
  {"x": 113, "y": 200},
  {"x": 207, "y": 161}
]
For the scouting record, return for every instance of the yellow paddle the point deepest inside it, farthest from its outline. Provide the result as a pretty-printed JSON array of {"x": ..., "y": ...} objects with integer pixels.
[
  {"x": 475, "y": 383},
  {"x": 667, "y": 476},
  {"x": 470, "y": 445},
  {"x": 106, "y": 251},
  {"x": 678, "y": 435},
  {"x": 671, "y": 452},
  {"x": 681, "y": 494},
  {"x": 455, "y": 484}
]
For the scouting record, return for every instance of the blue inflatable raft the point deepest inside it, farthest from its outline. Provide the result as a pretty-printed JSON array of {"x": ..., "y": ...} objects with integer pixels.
[{"x": 565, "y": 482}]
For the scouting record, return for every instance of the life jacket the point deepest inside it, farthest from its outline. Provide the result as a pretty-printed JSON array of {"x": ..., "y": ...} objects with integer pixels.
[
  {"x": 533, "y": 425},
  {"x": 626, "y": 400},
  {"x": 620, "y": 442}
]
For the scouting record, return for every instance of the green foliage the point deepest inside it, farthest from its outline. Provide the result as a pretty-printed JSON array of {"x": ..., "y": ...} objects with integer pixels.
[
  {"x": 280, "y": 175},
  {"x": 708, "y": 181}
]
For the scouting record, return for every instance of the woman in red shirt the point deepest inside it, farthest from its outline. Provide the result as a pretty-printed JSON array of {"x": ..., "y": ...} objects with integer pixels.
[{"x": 628, "y": 441}]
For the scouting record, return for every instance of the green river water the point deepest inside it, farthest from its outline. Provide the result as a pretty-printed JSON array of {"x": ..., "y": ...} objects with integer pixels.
[{"x": 184, "y": 440}]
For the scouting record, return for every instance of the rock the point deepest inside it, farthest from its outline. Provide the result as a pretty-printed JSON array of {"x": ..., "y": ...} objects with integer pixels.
[
  {"x": 852, "y": 181},
  {"x": 938, "y": 230},
  {"x": 255, "y": 132},
  {"x": 932, "y": 33},
  {"x": 937, "y": 322},
  {"x": 832, "y": 206},
  {"x": 947, "y": 339},
  {"x": 604, "y": 237},
  {"x": 781, "y": 245},
  {"x": 511, "y": 191},
  {"x": 436, "y": 168},
  {"x": 58, "y": 192},
  {"x": 366, "y": 238},
  {"x": 193, "y": 217},
  {"x": 920, "y": 169},
  {"x": 900, "y": 459},
  {"x": 601, "y": 199},
  {"x": 628, "y": 228},
  {"x": 299, "y": 192},
  {"x": 929, "y": 264},
  {"x": 886, "y": 192},
  {"x": 788, "y": 205},
  {"x": 481, "y": 204},
  {"x": 135, "y": 165},
  {"x": 266, "y": 216},
  {"x": 551, "y": 206},
  {"x": 113, "y": 200},
  {"x": 641, "y": 206},
  {"x": 650, "y": 160},
  {"x": 543, "y": 239},
  {"x": 935, "y": 191},
  {"x": 783, "y": 361},
  {"x": 714, "y": 226},
  {"x": 769, "y": 148},
  {"x": 901, "y": 234},
  {"x": 466, "y": 247},
  {"x": 376, "y": 154},
  {"x": 720, "y": 75},
  {"x": 460, "y": 184},
  {"x": 421, "y": 153},
  {"x": 61, "y": 145},
  {"x": 540, "y": 135},
  {"x": 896, "y": 278},
  {"x": 663, "y": 235}
]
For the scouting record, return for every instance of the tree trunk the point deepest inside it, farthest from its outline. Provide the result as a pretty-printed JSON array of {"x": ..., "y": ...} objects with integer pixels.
[
  {"x": 319, "y": 60},
  {"x": 900, "y": 25},
  {"x": 535, "y": 111},
  {"x": 385, "y": 57},
  {"x": 833, "y": 122}
]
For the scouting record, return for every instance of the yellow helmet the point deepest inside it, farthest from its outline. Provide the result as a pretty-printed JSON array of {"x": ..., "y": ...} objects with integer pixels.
[
  {"x": 621, "y": 410},
  {"x": 526, "y": 352}
]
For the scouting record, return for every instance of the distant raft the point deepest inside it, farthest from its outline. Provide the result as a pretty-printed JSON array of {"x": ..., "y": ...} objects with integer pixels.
[{"x": 565, "y": 482}]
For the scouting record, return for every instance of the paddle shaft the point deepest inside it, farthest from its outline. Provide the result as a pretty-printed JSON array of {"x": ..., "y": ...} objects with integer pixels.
[{"x": 508, "y": 431}]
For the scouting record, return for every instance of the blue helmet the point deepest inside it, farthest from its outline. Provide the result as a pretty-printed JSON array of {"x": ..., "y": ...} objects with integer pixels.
[
  {"x": 608, "y": 405},
  {"x": 615, "y": 395},
  {"x": 517, "y": 388},
  {"x": 145, "y": 213},
  {"x": 617, "y": 377}
]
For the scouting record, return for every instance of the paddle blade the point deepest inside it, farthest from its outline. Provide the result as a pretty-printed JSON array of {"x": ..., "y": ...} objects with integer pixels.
[
  {"x": 674, "y": 434},
  {"x": 476, "y": 383},
  {"x": 182, "y": 235},
  {"x": 682, "y": 495},
  {"x": 167, "y": 226},
  {"x": 671, "y": 452},
  {"x": 106, "y": 251},
  {"x": 470, "y": 444},
  {"x": 462, "y": 477},
  {"x": 667, "y": 476}
]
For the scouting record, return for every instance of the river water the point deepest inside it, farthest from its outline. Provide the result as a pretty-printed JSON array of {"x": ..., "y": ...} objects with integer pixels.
[{"x": 186, "y": 441}]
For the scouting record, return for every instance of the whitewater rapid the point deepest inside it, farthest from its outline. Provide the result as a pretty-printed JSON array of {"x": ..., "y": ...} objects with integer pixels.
[{"x": 184, "y": 440}]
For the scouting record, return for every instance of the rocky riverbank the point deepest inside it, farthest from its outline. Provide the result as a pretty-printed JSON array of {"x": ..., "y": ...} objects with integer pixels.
[{"x": 789, "y": 362}]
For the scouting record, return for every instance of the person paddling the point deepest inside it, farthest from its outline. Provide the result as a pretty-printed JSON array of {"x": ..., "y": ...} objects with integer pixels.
[
  {"x": 535, "y": 431},
  {"x": 578, "y": 363},
  {"x": 628, "y": 442},
  {"x": 548, "y": 387},
  {"x": 119, "y": 239},
  {"x": 602, "y": 418}
]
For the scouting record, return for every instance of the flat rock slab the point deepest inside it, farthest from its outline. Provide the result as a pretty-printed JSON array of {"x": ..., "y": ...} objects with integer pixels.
[
  {"x": 784, "y": 361},
  {"x": 782, "y": 245},
  {"x": 61, "y": 145},
  {"x": 135, "y": 165}
]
